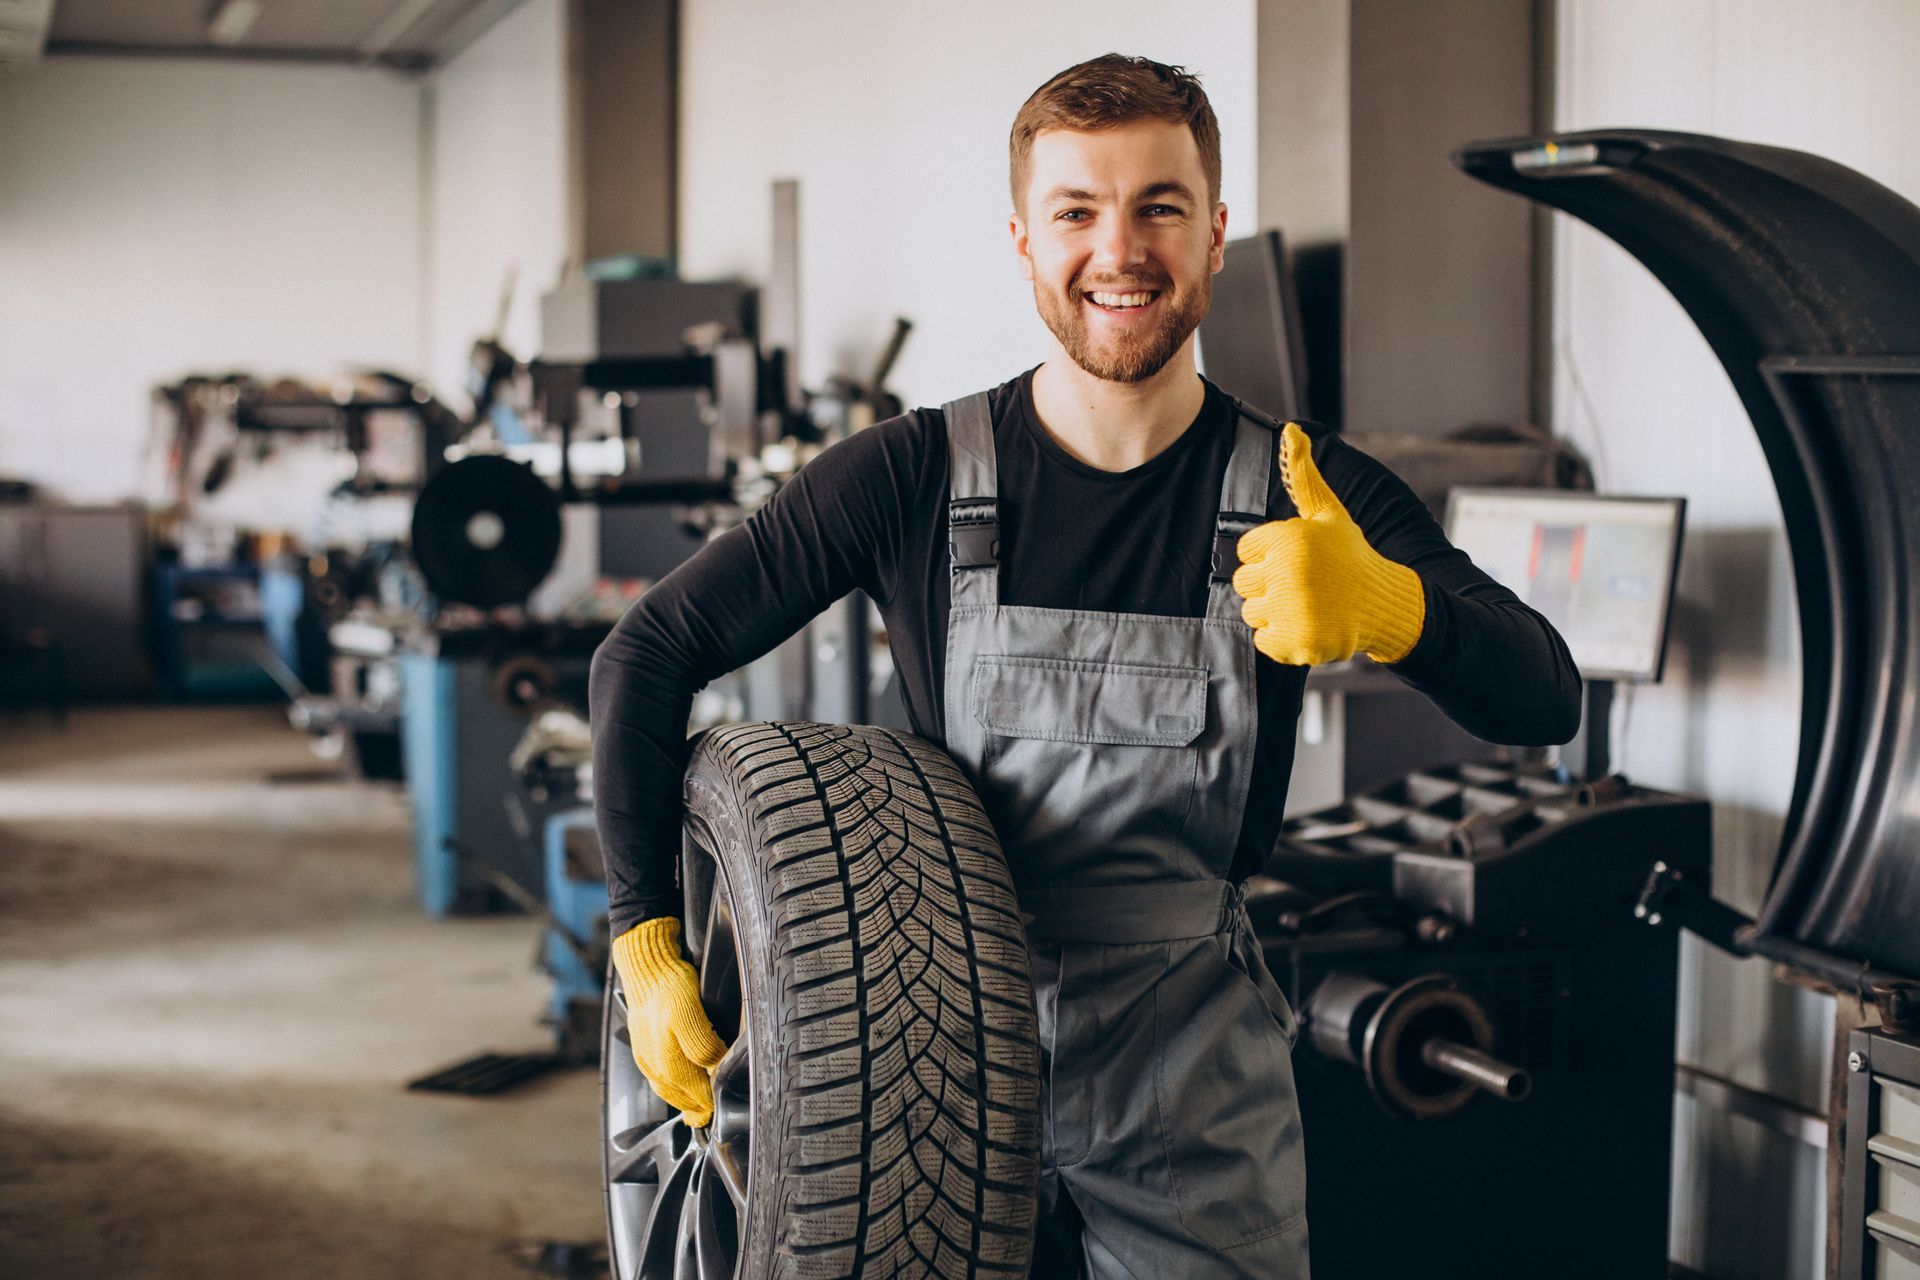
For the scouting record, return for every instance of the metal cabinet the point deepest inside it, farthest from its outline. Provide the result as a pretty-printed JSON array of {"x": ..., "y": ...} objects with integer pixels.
[
  {"x": 1880, "y": 1159},
  {"x": 79, "y": 573}
]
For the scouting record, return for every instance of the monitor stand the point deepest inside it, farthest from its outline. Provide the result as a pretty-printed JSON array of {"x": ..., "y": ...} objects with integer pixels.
[{"x": 1589, "y": 756}]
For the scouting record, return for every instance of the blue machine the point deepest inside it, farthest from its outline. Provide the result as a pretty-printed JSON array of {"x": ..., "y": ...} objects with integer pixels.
[
  {"x": 463, "y": 714},
  {"x": 427, "y": 735},
  {"x": 576, "y": 946}
]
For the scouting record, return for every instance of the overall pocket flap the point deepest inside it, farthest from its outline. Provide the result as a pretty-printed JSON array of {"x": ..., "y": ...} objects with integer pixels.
[{"x": 1066, "y": 700}]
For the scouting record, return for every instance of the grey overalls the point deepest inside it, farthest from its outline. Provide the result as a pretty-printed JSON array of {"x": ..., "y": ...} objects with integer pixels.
[{"x": 1114, "y": 753}]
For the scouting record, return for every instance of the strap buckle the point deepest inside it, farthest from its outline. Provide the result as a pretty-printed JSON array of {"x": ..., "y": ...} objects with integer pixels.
[
  {"x": 974, "y": 546},
  {"x": 973, "y": 533},
  {"x": 1227, "y": 532}
]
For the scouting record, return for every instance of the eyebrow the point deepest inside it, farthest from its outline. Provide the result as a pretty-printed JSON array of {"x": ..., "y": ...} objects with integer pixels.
[{"x": 1148, "y": 192}]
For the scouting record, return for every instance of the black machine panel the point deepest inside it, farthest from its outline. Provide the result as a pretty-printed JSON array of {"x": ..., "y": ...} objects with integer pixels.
[
  {"x": 1251, "y": 340},
  {"x": 1472, "y": 930},
  {"x": 1804, "y": 277}
]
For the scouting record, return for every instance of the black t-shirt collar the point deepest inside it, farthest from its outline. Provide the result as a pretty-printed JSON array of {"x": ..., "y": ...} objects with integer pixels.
[{"x": 1211, "y": 410}]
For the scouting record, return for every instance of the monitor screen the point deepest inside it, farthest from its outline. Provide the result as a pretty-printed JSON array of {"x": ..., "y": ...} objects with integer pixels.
[
  {"x": 1250, "y": 343},
  {"x": 1600, "y": 568}
]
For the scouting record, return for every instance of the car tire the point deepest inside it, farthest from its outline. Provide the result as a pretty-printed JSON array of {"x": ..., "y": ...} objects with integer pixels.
[{"x": 860, "y": 950}]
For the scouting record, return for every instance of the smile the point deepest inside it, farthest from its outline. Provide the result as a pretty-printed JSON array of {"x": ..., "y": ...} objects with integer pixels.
[{"x": 1122, "y": 301}]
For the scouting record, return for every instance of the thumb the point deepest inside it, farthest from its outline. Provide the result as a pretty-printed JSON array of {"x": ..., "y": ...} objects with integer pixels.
[{"x": 1309, "y": 491}]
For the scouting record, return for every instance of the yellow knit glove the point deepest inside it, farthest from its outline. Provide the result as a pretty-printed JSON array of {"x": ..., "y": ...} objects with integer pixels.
[
  {"x": 673, "y": 1041},
  {"x": 1314, "y": 590}
]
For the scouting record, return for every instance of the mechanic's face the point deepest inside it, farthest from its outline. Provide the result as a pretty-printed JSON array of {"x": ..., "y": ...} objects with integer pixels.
[{"x": 1120, "y": 243}]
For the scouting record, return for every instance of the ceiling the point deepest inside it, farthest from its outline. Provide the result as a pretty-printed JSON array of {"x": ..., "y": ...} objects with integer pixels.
[{"x": 410, "y": 34}]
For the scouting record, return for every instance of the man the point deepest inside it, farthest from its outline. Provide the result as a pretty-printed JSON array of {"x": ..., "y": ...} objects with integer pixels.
[{"x": 1054, "y": 560}]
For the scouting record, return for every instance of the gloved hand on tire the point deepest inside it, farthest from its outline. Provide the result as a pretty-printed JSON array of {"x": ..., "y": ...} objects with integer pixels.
[
  {"x": 1314, "y": 590},
  {"x": 674, "y": 1043}
]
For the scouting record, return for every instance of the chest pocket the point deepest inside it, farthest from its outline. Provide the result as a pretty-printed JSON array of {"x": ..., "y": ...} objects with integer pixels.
[{"x": 1088, "y": 761}]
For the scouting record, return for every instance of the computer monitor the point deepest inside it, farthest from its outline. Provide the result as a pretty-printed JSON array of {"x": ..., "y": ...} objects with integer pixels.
[
  {"x": 1601, "y": 569},
  {"x": 1250, "y": 343}
]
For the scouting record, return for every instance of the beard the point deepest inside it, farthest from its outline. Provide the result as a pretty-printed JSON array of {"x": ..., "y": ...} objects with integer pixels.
[{"x": 1131, "y": 357}]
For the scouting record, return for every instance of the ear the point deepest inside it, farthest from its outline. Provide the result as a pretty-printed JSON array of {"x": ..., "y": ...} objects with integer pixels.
[
  {"x": 1217, "y": 252},
  {"x": 1017, "y": 226}
]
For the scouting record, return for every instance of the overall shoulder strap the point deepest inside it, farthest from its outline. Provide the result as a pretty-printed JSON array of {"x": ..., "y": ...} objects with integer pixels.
[
  {"x": 1243, "y": 491},
  {"x": 973, "y": 489},
  {"x": 1243, "y": 500}
]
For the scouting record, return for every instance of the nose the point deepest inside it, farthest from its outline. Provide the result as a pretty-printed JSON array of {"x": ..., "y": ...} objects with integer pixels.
[{"x": 1119, "y": 246}]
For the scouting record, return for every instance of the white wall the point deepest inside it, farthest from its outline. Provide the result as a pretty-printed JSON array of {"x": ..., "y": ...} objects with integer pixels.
[
  {"x": 1305, "y": 178},
  {"x": 496, "y": 176},
  {"x": 161, "y": 217},
  {"x": 896, "y": 125},
  {"x": 1638, "y": 389}
]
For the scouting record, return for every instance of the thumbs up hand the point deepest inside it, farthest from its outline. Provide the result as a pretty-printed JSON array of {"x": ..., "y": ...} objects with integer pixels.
[{"x": 1314, "y": 590}]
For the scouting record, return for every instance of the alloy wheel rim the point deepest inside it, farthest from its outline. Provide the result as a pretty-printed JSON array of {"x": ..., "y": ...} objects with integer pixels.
[{"x": 677, "y": 1195}]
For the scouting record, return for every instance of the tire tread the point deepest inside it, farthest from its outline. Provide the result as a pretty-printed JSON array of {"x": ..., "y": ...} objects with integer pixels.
[{"x": 908, "y": 1143}]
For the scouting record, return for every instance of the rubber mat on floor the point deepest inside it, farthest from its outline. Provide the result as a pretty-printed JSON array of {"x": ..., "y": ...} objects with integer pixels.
[{"x": 487, "y": 1073}]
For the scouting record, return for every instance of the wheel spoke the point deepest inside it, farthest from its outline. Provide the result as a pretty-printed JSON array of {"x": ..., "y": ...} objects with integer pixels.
[
  {"x": 662, "y": 1150},
  {"x": 728, "y": 1161},
  {"x": 685, "y": 1259},
  {"x": 631, "y": 1166},
  {"x": 719, "y": 975},
  {"x": 687, "y": 1191},
  {"x": 712, "y": 1250},
  {"x": 663, "y": 1238},
  {"x": 699, "y": 876},
  {"x": 734, "y": 1071}
]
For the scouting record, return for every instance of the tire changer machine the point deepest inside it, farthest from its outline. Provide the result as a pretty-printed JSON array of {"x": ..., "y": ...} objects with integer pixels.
[
  {"x": 1506, "y": 930},
  {"x": 1469, "y": 929}
]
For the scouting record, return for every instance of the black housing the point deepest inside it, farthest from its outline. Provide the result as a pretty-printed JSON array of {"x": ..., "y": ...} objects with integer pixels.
[{"x": 1804, "y": 277}]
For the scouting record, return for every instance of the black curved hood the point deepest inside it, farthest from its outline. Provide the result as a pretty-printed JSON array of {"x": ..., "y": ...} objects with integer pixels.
[{"x": 1804, "y": 276}]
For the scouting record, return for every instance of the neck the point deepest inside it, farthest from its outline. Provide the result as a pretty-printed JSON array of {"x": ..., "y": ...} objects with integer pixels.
[{"x": 1117, "y": 426}]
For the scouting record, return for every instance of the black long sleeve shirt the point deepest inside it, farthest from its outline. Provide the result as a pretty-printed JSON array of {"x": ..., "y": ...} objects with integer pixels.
[{"x": 870, "y": 513}]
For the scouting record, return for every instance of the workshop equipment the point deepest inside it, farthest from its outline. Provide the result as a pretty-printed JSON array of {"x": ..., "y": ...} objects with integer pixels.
[
  {"x": 576, "y": 944},
  {"x": 1880, "y": 1158},
  {"x": 662, "y": 420},
  {"x": 1487, "y": 1029},
  {"x": 210, "y": 632},
  {"x": 463, "y": 716},
  {"x": 1803, "y": 276},
  {"x": 74, "y": 598},
  {"x": 486, "y": 531},
  {"x": 206, "y": 431},
  {"x": 1487, "y": 1021},
  {"x": 552, "y": 810}
]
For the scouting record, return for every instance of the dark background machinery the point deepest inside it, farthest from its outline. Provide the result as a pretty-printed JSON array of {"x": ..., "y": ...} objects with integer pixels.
[
  {"x": 707, "y": 438},
  {"x": 1492, "y": 906},
  {"x": 1802, "y": 275},
  {"x": 1469, "y": 928},
  {"x": 662, "y": 418},
  {"x": 1486, "y": 1059}
]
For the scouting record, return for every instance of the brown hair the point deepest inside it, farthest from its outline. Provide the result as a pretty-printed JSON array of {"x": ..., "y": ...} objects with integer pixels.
[{"x": 1114, "y": 89}]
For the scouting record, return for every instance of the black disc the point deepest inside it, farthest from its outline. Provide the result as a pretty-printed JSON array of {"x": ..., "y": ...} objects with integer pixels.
[
  {"x": 486, "y": 531},
  {"x": 523, "y": 683}
]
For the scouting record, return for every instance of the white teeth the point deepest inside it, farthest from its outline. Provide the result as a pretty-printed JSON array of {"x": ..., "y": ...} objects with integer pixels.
[{"x": 1122, "y": 299}]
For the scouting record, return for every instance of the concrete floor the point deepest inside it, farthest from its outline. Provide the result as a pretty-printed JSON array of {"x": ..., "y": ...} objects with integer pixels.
[{"x": 214, "y": 985}]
